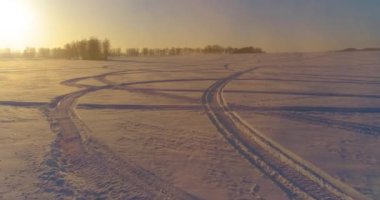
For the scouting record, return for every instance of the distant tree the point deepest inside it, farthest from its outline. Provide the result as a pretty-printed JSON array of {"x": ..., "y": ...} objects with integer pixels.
[
  {"x": 94, "y": 49},
  {"x": 30, "y": 52},
  {"x": 229, "y": 50},
  {"x": 173, "y": 51},
  {"x": 145, "y": 51},
  {"x": 132, "y": 52},
  {"x": 69, "y": 51},
  {"x": 44, "y": 52},
  {"x": 82, "y": 49},
  {"x": 157, "y": 52},
  {"x": 248, "y": 50},
  {"x": 106, "y": 48},
  {"x": 58, "y": 53},
  {"x": 115, "y": 52},
  {"x": 75, "y": 50},
  {"x": 213, "y": 49},
  {"x": 178, "y": 51}
]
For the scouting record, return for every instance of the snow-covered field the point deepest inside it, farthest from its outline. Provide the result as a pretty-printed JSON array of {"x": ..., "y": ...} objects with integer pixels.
[{"x": 273, "y": 126}]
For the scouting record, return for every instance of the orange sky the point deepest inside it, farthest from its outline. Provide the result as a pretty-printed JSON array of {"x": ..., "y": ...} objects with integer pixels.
[{"x": 287, "y": 25}]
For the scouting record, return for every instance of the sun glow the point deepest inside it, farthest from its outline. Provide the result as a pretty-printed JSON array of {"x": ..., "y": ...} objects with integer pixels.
[{"x": 16, "y": 24}]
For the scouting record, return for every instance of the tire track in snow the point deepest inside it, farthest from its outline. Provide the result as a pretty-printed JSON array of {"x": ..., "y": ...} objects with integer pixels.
[
  {"x": 79, "y": 166},
  {"x": 297, "y": 177}
]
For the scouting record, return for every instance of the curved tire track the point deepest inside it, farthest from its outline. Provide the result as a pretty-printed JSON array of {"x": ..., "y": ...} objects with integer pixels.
[
  {"x": 81, "y": 167},
  {"x": 297, "y": 177}
]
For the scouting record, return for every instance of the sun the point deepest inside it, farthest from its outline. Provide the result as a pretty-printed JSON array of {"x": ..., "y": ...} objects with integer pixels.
[{"x": 16, "y": 23}]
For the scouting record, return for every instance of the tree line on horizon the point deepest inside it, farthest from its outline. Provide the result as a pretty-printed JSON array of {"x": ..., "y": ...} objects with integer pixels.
[
  {"x": 356, "y": 49},
  {"x": 86, "y": 49},
  {"x": 95, "y": 49}
]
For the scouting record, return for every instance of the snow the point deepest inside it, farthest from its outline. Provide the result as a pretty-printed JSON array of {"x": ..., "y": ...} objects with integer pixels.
[{"x": 148, "y": 111}]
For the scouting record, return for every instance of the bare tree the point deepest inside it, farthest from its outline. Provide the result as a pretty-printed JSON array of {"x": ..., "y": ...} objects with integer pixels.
[{"x": 106, "y": 48}]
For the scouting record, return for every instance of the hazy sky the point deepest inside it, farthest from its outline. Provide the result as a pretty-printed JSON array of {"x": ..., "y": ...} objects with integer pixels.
[{"x": 275, "y": 25}]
